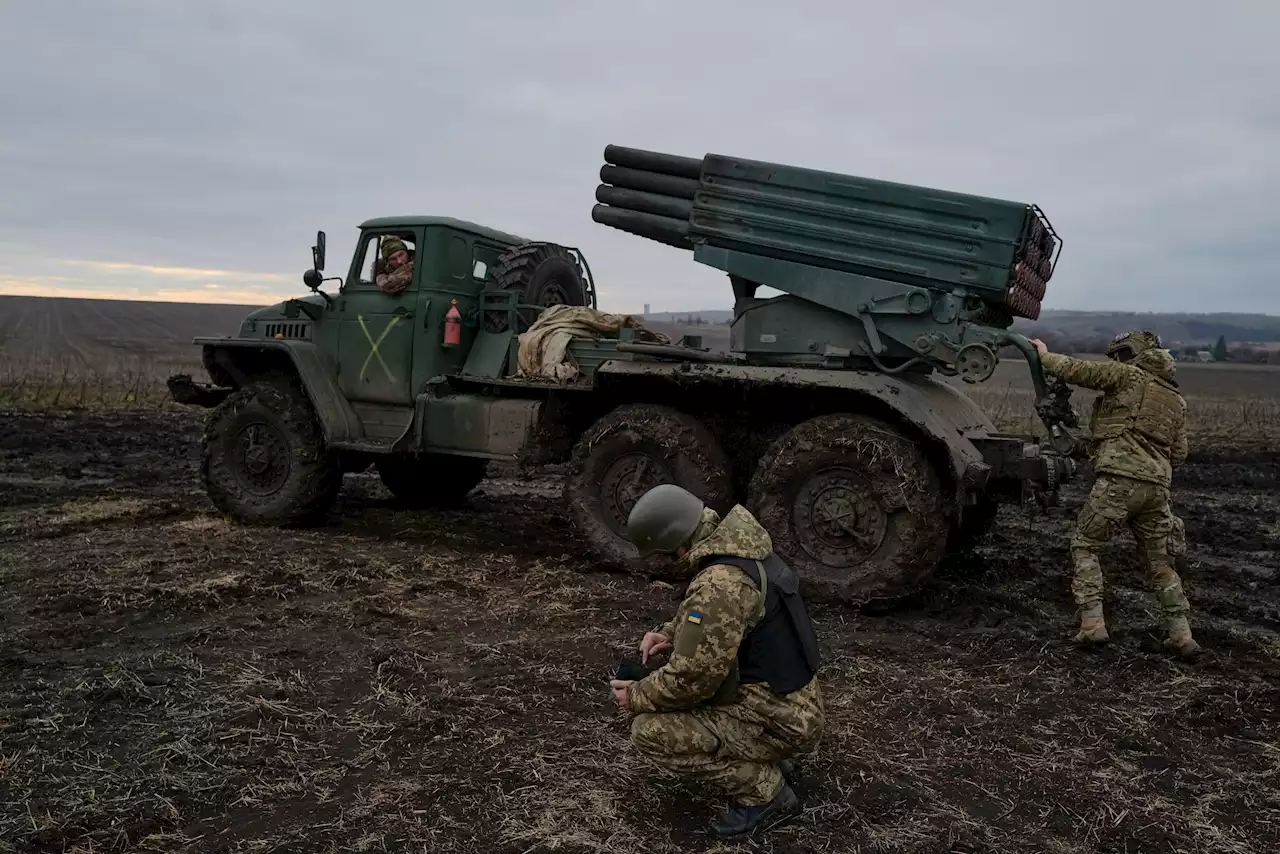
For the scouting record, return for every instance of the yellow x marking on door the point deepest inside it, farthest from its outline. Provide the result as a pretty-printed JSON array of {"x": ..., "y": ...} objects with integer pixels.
[{"x": 373, "y": 347}]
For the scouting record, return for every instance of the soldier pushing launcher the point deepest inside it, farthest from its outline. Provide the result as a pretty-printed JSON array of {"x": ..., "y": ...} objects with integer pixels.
[
  {"x": 739, "y": 697},
  {"x": 1138, "y": 435}
]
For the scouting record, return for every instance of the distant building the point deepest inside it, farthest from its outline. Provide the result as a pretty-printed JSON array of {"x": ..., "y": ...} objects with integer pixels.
[{"x": 646, "y": 309}]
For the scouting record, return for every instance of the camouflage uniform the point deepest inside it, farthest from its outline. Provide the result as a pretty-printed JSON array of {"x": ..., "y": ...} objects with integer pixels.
[
  {"x": 692, "y": 716},
  {"x": 393, "y": 280},
  {"x": 1138, "y": 436},
  {"x": 1177, "y": 538}
]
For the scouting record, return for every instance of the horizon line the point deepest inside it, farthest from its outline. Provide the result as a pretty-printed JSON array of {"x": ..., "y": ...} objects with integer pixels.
[{"x": 160, "y": 301}]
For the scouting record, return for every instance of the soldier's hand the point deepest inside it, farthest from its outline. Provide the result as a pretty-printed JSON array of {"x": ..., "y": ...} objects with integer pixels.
[
  {"x": 1040, "y": 346},
  {"x": 619, "y": 687},
  {"x": 651, "y": 644}
]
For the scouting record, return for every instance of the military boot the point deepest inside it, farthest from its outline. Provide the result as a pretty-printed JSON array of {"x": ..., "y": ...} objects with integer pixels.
[
  {"x": 1180, "y": 639},
  {"x": 740, "y": 820},
  {"x": 1093, "y": 628}
]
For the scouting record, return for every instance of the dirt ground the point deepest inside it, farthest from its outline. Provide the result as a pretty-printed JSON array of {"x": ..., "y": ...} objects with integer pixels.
[{"x": 401, "y": 681}]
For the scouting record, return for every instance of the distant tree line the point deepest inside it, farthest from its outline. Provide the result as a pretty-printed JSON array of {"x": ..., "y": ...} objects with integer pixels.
[{"x": 1219, "y": 351}]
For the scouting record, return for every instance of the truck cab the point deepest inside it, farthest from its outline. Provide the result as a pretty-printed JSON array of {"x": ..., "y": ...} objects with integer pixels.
[
  {"x": 343, "y": 378},
  {"x": 374, "y": 332}
]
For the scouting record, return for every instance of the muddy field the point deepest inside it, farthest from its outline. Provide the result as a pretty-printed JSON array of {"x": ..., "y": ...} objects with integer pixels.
[{"x": 403, "y": 681}]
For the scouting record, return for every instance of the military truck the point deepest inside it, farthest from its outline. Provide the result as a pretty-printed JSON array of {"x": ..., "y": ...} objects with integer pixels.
[{"x": 830, "y": 416}]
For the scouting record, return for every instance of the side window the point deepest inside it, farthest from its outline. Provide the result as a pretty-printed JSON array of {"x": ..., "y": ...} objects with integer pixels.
[
  {"x": 370, "y": 259},
  {"x": 484, "y": 260},
  {"x": 374, "y": 264}
]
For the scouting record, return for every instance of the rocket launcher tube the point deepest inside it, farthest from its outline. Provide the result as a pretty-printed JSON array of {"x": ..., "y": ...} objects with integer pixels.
[
  {"x": 649, "y": 182},
  {"x": 651, "y": 203},
  {"x": 664, "y": 229},
  {"x": 653, "y": 161}
]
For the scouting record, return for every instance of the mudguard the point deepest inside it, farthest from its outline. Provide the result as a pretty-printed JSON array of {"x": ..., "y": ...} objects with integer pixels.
[
  {"x": 338, "y": 420},
  {"x": 934, "y": 407}
]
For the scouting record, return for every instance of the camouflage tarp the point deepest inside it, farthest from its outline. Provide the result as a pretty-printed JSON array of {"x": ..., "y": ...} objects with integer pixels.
[{"x": 544, "y": 349}]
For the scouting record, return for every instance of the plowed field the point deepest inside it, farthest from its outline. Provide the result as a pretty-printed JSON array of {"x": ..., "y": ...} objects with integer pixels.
[{"x": 408, "y": 681}]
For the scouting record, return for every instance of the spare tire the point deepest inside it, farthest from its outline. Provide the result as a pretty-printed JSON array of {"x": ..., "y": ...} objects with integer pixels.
[{"x": 544, "y": 273}]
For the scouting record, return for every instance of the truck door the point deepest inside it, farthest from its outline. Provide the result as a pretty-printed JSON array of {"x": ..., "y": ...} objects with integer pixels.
[{"x": 375, "y": 347}]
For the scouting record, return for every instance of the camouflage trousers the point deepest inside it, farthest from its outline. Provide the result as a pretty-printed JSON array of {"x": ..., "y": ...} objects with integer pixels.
[
  {"x": 732, "y": 746},
  {"x": 1144, "y": 508}
]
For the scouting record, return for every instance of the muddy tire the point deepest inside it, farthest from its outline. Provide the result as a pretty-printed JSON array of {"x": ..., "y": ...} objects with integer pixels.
[
  {"x": 264, "y": 459},
  {"x": 976, "y": 525},
  {"x": 432, "y": 480},
  {"x": 853, "y": 506},
  {"x": 544, "y": 274},
  {"x": 623, "y": 455}
]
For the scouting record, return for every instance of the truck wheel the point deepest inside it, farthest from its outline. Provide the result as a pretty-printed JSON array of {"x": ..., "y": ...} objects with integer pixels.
[
  {"x": 264, "y": 460},
  {"x": 432, "y": 480},
  {"x": 625, "y": 454},
  {"x": 853, "y": 506},
  {"x": 977, "y": 523},
  {"x": 545, "y": 275}
]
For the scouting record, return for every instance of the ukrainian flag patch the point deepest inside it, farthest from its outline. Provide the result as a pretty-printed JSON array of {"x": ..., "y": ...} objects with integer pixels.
[{"x": 695, "y": 617}]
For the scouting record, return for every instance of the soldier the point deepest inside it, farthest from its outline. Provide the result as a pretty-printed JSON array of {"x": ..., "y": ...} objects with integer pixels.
[
  {"x": 738, "y": 698},
  {"x": 397, "y": 269},
  {"x": 1138, "y": 435}
]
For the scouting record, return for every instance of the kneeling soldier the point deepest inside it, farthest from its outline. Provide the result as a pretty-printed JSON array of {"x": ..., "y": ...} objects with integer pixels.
[{"x": 739, "y": 697}]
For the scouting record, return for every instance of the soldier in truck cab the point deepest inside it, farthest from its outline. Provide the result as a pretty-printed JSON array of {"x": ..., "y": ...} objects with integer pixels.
[{"x": 396, "y": 269}]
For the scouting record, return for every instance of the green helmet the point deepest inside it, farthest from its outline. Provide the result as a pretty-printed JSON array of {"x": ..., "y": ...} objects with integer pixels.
[
  {"x": 1129, "y": 344},
  {"x": 664, "y": 519}
]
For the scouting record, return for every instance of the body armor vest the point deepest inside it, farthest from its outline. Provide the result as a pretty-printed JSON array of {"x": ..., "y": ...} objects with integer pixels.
[
  {"x": 782, "y": 649},
  {"x": 1152, "y": 407}
]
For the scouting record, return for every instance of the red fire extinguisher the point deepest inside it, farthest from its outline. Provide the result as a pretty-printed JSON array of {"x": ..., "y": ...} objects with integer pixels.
[{"x": 453, "y": 326}]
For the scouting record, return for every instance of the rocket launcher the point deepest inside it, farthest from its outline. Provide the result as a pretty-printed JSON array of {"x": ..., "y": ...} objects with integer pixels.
[{"x": 873, "y": 274}]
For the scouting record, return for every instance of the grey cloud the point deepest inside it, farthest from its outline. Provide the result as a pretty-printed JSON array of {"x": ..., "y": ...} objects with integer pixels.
[{"x": 222, "y": 135}]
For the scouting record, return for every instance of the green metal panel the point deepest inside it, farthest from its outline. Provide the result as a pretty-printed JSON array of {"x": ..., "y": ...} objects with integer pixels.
[
  {"x": 847, "y": 293},
  {"x": 591, "y": 353},
  {"x": 449, "y": 278},
  {"x": 383, "y": 424},
  {"x": 376, "y": 335},
  {"x": 316, "y": 371},
  {"x": 879, "y": 228},
  {"x": 488, "y": 355},
  {"x": 494, "y": 427}
]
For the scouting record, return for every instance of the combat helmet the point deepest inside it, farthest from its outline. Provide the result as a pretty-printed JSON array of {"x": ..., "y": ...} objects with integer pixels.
[
  {"x": 1126, "y": 345},
  {"x": 663, "y": 519}
]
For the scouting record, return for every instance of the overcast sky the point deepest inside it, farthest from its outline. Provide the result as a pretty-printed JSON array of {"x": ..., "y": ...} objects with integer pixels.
[{"x": 189, "y": 151}]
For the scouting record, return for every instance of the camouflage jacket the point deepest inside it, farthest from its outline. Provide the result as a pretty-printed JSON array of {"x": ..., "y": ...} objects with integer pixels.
[
  {"x": 1139, "y": 422},
  {"x": 397, "y": 280},
  {"x": 721, "y": 605}
]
